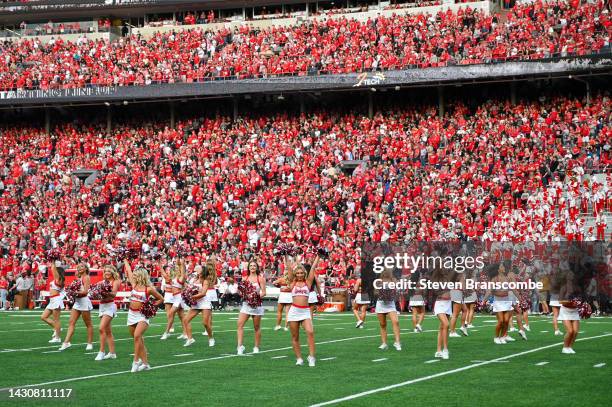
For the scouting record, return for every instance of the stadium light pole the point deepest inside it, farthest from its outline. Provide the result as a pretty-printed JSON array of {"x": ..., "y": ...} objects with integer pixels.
[{"x": 588, "y": 88}]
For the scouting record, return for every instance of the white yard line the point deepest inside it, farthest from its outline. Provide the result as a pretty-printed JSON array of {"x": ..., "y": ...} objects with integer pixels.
[
  {"x": 599, "y": 365},
  {"x": 444, "y": 373},
  {"x": 542, "y": 363},
  {"x": 180, "y": 355},
  {"x": 279, "y": 357},
  {"x": 379, "y": 360},
  {"x": 332, "y": 358},
  {"x": 432, "y": 361}
]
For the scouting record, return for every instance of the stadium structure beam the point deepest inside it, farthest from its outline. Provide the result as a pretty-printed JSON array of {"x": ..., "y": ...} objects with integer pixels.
[
  {"x": 47, "y": 120},
  {"x": 370, "y": 105},
  {"x": 513, "y": 93},
  {"x": 235, "y": 108},
  {"x": 172, "y": 115},
  {"x": 440, "y": 101},
  {"x": 109, "y": 119}
]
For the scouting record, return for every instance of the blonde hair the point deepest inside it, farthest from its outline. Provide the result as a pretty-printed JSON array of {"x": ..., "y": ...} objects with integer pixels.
[
  {"x": 111, "y": 269},
  {"x": 209, "y": 272},
  {"x": 82, "y": 266},
  {"x": 297, "y": 269},
  {"x": 140, "y": 277}
]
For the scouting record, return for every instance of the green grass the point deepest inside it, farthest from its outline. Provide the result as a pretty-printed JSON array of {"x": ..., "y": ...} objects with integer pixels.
[{"x": 212, "y": 376}]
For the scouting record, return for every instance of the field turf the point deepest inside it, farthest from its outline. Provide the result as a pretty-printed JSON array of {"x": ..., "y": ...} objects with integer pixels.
[{"x": 350, "y": 366}]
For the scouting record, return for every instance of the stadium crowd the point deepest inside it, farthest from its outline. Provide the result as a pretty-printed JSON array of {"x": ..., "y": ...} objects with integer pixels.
[
  {"x": 335, "y": 45},
  {"x": 237, "y": 189}
]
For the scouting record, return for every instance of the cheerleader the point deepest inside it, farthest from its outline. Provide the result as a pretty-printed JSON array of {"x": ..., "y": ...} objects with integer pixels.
[
  {"x": 246, "y": 312},
  {"x": 82, "y": 308},
  {"x": 56, "y": 303},
  {"x": 106, "y": 313},
  {"x": 569, "y": 315},
  {"x": 359, "y": 305},
  {"x": 205, "y": 283},
  {"x": 386, "y": 308},
  {"x": 167, "y": 275},
  {"x": 177, "y": 283},
  {"x": 136, "y": 322},
  {"x": 502, "y": 306},
  {"x": 469, "y": 303},
  {"x": 417, "y": 303},
  {"x": 284, "y": 300},
  {"x": 211, "y": 294},
  {"x": 458, "y": 307},
  {"x": 442, "y": 310},
  {"x": 299, "y": 313},
  {"x": 556, "y": 308}
]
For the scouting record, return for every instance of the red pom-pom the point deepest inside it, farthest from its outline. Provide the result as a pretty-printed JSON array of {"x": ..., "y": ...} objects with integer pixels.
[
  {"x": 585, "y": 310},
  {"x": 100, "y": 290},
  {"x": 483, "y": 306},
  {"x": 188, "y": 294},
  {"x": 73, "y": 289},
  {"x": 149, "y": 308},
  {"x": 320, "y": 299},
  {"x": 387, "y": 294},
  {"x": 250, "y": 294}
]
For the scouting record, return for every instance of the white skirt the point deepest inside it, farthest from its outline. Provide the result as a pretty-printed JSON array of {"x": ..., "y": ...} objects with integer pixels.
[
  {"x": 443, "y": 307},
  {"x": 456, "y": 296},
  {"x": 56, "y": 302},
  {"x": 312, "y": 297},
  {"x": 470, "y": 298},
  {"x": 502, "y": 304},
  {"x": 296, "y": 314},
  {"x": 568, "y": 314},
  {"x": 82, "y": 304},
  {"x": 285, "y": 298},
  {"x": 416, "y": 301},
  {"x": 134, "y": 317},
  {"x": 177, "y": 302},
  {"x": 109, "y": 309},
  {"x": 360, "y": 301},
  {"x": 554, "y": 300},
  {"x": 168, "y": 298},
  {"x": 385, "y": 307},
  {"x": 211, "y": 295},
  {"x": 203, "y": 303},
  {"x": 245, "y": 309}
]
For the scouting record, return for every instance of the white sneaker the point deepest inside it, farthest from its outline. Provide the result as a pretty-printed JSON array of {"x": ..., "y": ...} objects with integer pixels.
[
  {"x": 171, "y": 331},
  {"x": 182, "y": 336},
  {"x": 454, "y": 335},
  {"x": 144, "y": 366},
  {"x": 285, "y": 329},
  {"x": 362, "y": 326},
  {"x": 135, "y": 366},
  {"x": 189, "y": 342},
  {"x": 571, "y": 350},
  {"x": 359, "y": 323},
  {"x": 65, "y": 346},
  {"x": 99, "y": 356},
  {"x": 311, "y": 361},
  {"x": 470, "y": 326},
  {"x": 211, "y": 342},
  {"x": 110, "y": 356},
  {"x": 205, "y": 333},
  {"x": 55, "y": 340},
  {"x": 445, "y": 355},
  {"x": 502, "y": 341},
  {"x": 164, "y": 336},
  {"x": 419, "y": 328},
  {"x": 438, "y": 355},
  {"x": 255, "y": 349},
  {"x": 89, "y": 346},
  {"x": 464, "y": 331},
  {"x": 496, "y": 340},
  {"x": 416, "y": 331},
  {"x": 397, "y": 346},
  {"x": 522, "y": 334},
  {"x": 527, "y": 328},
  {"x": 299, "y": 362},
  {"x": 566, "y": 350},
  {"x": 509, "y": 338},
  {"x": 558, "y": 333},
  {"x": 512, "y": 329},
  {"x": 383, "y": 346},
  {"x": 277, "y": 328},
  {"x": 240, "y": 350}
]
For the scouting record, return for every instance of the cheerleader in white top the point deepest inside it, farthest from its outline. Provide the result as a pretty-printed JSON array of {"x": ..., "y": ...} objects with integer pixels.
[
  {"x": 178, "y": 305},
  {"x": 417, "y": 303},
  {"x": 206, "y": 281},
  {"x": 360, "y": 305},
  {"x": 167, "y": 276},
  {"x": 442, "y": 310},
  {"x": 555, "y": 305},
  {"x": 502, "y": 307},
  {"x": 284, "y": 300},
  {"x": 299, "y": 313},
  {"x": 246, "y": 311},
  {"x": 136, "y": 322},
  {"x": 81, "y": 309},
  {"x": 568, "y": 313},
  {"x": 385, "y": 308},
  {"x": 212, "y": 298},
  {"x": 56, "y": 303},
  {"x": 108, "y": 311},
  {"x": 458, "y": 307}
]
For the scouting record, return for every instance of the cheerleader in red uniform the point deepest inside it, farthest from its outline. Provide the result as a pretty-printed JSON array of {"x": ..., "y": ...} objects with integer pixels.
[
  {"x": 136, "y": 322},
  {"x": 568, "y": 313},
  {"x": 108, "y": 311},
  {"x": 82, "y": 308},
  {"x": 442, "y": 310},
  {"x": 417, "y": 303},
  {"x": 247, "y": 311},
  {"x": 299, "y": 313},
  {"x": 502, "y": 306},
  {"x": 167, "y": 276},
  {"x": 212, "y": 298},
  {"x": 56, "y": 303},
  {"x": 206, "y": 282},
  {"x": 360, "y": 305},
  {"x": 385, "y": 308},
  {"x": 177, "y": 283}
]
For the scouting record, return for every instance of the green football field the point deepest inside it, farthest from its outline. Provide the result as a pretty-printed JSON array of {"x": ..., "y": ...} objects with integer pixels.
[{"x": 350, "y": 370}]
